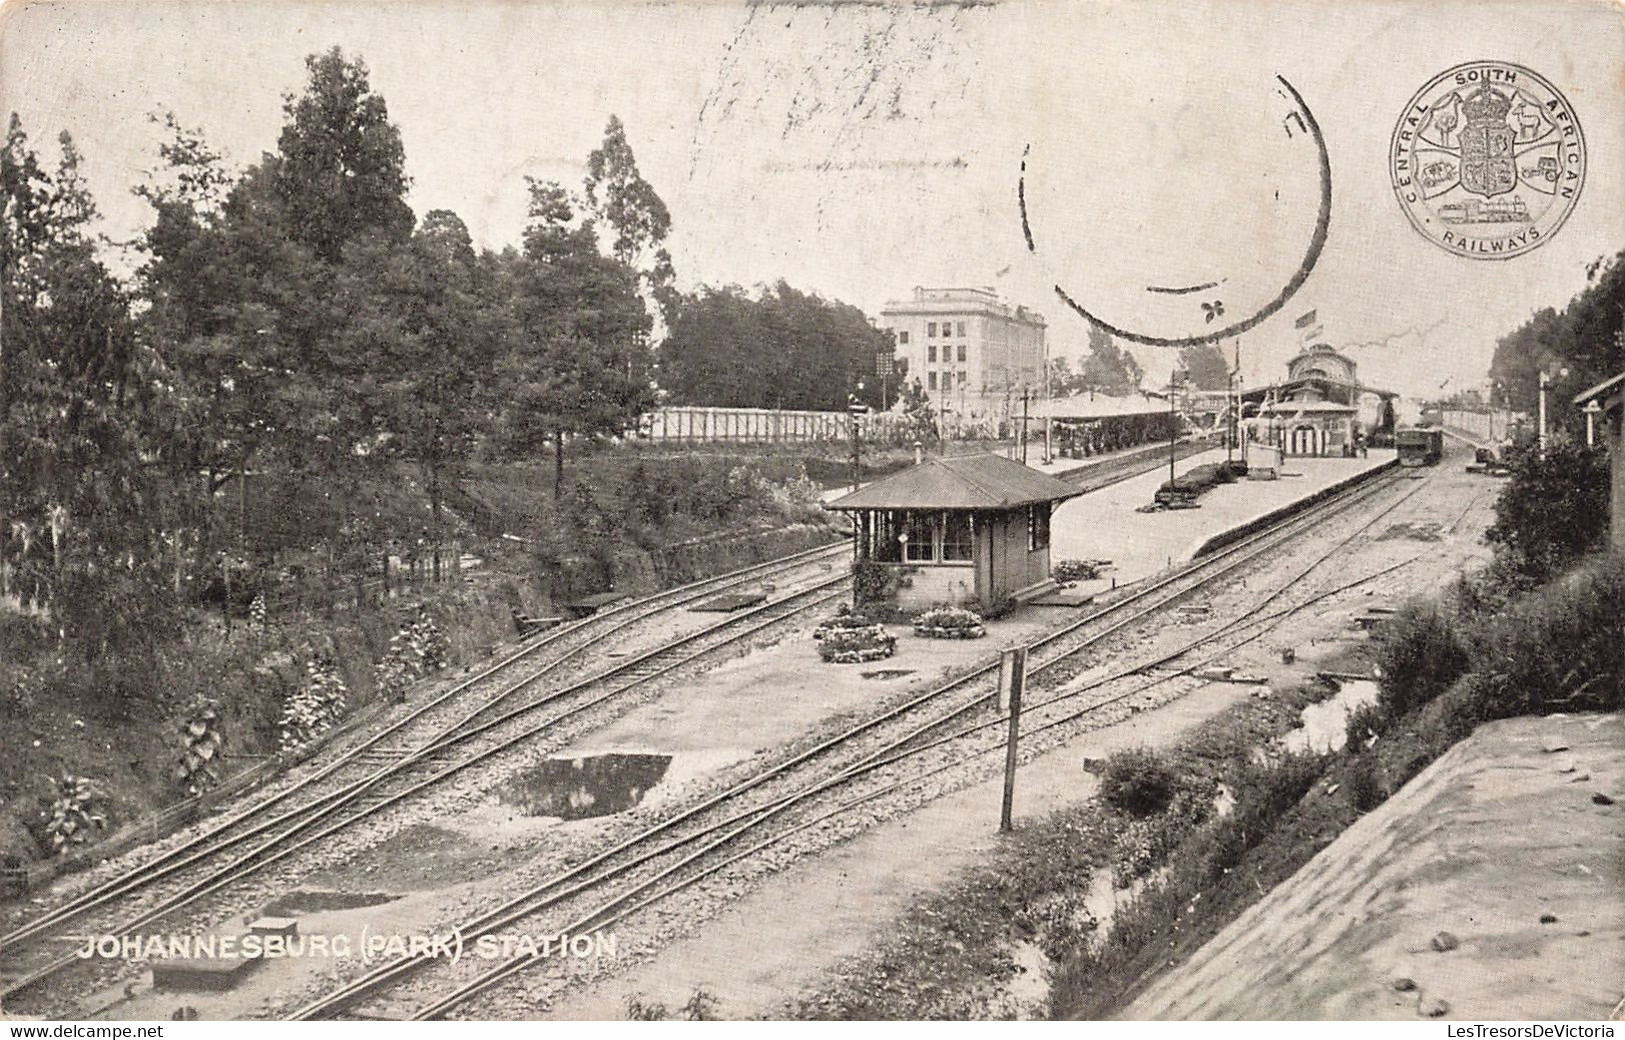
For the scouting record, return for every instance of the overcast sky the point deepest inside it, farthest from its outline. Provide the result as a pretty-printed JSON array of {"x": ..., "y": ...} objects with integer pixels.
[{"x": 861, "y": 149}]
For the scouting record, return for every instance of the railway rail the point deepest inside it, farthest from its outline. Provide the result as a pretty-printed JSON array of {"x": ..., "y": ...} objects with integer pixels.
[
  {"x": 682, "y": 850},
  {"x": 374, "y": 775}
]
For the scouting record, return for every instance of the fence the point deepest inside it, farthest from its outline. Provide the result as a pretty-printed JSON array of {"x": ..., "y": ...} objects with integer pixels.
[
  {"x": 1486, "y": 427},
  {"x": 688, "y": 424}
]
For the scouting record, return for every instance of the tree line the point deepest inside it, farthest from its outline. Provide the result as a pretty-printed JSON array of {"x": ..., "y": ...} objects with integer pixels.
[
  {"x": 293, "y": 318},
  {"x": 295, "y": 323},
  {"x": 1577, "y": 347}
]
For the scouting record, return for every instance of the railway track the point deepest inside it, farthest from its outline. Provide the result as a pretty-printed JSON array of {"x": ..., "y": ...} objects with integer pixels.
[
  {"x": 776, "y": 802},
  {"x": 500, "y": 708}
]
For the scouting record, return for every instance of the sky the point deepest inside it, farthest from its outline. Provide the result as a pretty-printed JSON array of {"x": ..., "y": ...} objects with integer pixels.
[{"x": 861, "y": 149}]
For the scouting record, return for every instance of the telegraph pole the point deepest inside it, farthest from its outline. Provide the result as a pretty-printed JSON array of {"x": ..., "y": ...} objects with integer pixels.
[
  {"x": 1012, "y": 682},
  {"x": 1173, "y": 422},
  {"x": 854, "y": 408}
]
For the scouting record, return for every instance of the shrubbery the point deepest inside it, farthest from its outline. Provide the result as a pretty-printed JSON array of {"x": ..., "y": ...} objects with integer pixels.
[
  {"x": 415, "y": 651},
  {"x": 1138, "y": 782},
  {"x": 73, "y": 817},
  {"x": 314, "y": 706},
  {"x": 1419, "y": 655},
  {"x": 1551, "y": 512}
]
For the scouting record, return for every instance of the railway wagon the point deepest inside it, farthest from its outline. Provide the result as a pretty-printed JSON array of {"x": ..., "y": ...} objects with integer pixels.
[{"x": 1419, "y": 447}]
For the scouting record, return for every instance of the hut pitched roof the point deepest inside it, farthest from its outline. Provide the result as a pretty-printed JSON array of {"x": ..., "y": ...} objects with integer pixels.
[{"x": 966, "y": 482}]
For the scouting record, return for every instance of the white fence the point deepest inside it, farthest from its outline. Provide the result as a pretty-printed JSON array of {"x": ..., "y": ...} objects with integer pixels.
[
  {"x": 764, "y": 425},
  {"x": 1485, "y": 427}
]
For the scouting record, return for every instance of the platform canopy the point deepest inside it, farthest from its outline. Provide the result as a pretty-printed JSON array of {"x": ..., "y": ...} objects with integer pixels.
[
  {"x": 1290, "y": 408},
  {"x": 1607, "y": 393},
  {"x": 1098, "y": 406},
  {"x": 1320, "y": 383},
  {"x": 967, "y": 482}
]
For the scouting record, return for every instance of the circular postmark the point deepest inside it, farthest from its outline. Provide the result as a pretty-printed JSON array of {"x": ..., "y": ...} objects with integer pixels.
[
  {"x": 1191, "y": 218},
  {"x": 1487, "y": 160}
]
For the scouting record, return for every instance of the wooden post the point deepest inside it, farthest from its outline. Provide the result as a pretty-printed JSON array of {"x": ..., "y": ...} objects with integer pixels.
[{"x": 1012, "y": 679}]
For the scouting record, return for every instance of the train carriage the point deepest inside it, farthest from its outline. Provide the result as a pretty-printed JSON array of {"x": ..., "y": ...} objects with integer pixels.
[{"x": 1419, "y": 447}]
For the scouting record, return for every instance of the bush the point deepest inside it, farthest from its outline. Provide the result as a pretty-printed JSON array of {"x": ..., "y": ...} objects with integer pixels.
[
  {"x": 420, "y": 647},
  {"x": 1138, "y": 782},
  {"x": 74, "y": 815},
  {"x": 1145, "y": 844},
  {"x": 1364, "y": 787},
  {"x": 1364, "y": 725},
  {"x": 874, "y": 583},
  {"x": 1419, "y": 655},
  {"x": 1559, "y": 649},
  {"x": 1552, "y": 511},
  {"x": 315, "y": 706}
]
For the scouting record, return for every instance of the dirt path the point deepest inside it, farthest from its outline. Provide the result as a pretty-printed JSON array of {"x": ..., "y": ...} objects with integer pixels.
[
  {"x": 774, "y": 941},
  {"x": 1500, "y": 843}
]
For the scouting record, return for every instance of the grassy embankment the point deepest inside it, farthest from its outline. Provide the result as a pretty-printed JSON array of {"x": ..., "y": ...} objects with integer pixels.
[{"x": 1475, "y": 656}]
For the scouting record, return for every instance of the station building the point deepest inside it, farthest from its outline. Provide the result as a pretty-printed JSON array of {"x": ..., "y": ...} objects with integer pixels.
[
  {"x": 973, "y": 353},
  {"x": 1317, "y": 409},
  {"x": 971, "y": 531}
]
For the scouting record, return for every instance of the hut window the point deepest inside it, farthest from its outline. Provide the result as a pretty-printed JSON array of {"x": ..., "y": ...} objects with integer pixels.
[
  {"x": 1038, "y": 526},
  {"x": 958, "y": 540},
  {"x": 921, "y": 537}
]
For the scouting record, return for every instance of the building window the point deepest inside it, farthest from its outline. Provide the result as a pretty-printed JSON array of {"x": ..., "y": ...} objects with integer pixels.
[
  {"x": 930, "y": 380},
  {"x": 920, "y": 547},
  {"x": 958, "y": 537},
  {"x": 962, "y": 346},
  {"x": 931, "y": 352},
  {"x": 902, "y": 338},
  {"x": 1038, "y": 526},
  {"x": 931, "y": 329},
  {"x": 961, "y": 332},
  {"x": 961, "y": 378}
]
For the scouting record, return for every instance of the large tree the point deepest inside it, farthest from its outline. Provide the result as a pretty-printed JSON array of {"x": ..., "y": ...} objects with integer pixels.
[
  {"x": 580, "y": 366},
  {"x": 420, "y": 334},
  {"x": 782, "y": 349},
  {"x": 342, "y": 169},
  {"x": 1205, "y": 367},
  {"x": 1586, "y": 338},
  {"x": 81, "y": 399},
  {"x": 633, "y": 215},
  {"x": 1107, "y": 367}
]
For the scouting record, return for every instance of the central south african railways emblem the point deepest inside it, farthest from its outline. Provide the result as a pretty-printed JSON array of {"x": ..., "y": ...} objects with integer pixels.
[{"x": 1488, "y": 160}]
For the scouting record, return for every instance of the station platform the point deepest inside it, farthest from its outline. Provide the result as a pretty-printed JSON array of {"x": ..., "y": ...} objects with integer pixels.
[
  {"x": 1103, "y": 524},
  {"x": 1072, "y": 470}
]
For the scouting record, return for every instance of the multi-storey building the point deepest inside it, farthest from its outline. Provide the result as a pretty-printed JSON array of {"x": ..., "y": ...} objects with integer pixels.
[{"x": 973, "y": 354}]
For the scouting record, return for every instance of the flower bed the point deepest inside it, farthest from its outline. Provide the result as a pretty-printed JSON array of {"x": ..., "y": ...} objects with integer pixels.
[
  {"x": 949, "y": 623},
  {"x": 845, "y": 621},
  {"x": 856, "y": 645}
]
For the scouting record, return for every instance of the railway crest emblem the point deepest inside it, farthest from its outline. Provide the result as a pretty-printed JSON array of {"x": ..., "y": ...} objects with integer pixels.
[
  {"x": 1486, "y": 144},
  {"x": 1487, "y": 160}
]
